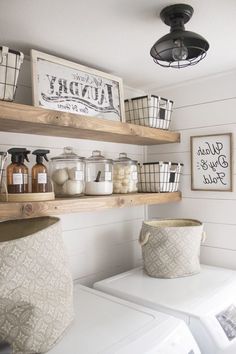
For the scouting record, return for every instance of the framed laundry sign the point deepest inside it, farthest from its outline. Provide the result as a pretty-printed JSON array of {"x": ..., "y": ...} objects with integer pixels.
[
  {"x": 211, "y": 162},
  {"x": 70, "y": 87}
]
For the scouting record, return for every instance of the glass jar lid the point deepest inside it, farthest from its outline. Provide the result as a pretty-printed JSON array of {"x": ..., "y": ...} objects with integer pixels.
[
  {"x": 68, "y": 155},
  {"x": 98, "y": 157},
  {"x": 124, "y": 159}
]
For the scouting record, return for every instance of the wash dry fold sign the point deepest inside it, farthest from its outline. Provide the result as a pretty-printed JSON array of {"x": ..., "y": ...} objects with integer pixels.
[{"x": 212, "y": 162}]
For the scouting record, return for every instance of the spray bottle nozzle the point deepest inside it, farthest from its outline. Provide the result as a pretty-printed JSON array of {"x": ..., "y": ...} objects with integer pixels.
[
  {"x": 40, "y": 155},
  {"x": 25, "y": 154},
  {"x": 16, "y": 151},
  {"x": 18, "y": 155}
]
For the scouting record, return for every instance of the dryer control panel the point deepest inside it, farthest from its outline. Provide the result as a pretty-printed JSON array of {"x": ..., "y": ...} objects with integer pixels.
[{"x": 227, "y": 320}]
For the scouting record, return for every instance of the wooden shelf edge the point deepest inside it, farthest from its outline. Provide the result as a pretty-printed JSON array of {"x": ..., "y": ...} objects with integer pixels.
[
  {"x": 40, "y": 121},
  {"x": 11, "y": 210}
]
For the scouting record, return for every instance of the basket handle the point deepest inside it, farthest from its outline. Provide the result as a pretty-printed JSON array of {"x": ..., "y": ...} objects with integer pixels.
[
  {"x": 21, "y": 57},
  {"x": 4, "y": 53},
  {"x": 144, "y": 240},
  {"x": 203, "y": 237}
]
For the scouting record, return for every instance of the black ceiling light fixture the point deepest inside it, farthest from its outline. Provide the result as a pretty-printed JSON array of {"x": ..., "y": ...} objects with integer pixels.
[{"x": 179, "y": 48}]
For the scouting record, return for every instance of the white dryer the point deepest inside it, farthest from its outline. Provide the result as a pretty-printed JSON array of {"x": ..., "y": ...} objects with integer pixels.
[
  {"x": 206, "y": 302},
  {"x": 107, "y": 325}
]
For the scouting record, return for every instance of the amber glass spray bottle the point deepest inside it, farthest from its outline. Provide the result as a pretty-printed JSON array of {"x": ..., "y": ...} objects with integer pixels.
[
  {"x": 40, "y": 172},
  {"x": 17, "y": 171}
]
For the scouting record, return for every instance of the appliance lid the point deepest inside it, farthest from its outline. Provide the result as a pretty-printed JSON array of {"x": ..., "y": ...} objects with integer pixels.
[
  {"x": 188, "y": 295},
  {"x": 105, "y": 324}
]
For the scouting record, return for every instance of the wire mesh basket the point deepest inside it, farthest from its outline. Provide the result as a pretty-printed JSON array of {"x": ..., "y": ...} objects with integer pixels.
[
  {"x": 150, "y": 111},
  {"x": 159, "y": 176},
  {"x": 10, "y": 63}
]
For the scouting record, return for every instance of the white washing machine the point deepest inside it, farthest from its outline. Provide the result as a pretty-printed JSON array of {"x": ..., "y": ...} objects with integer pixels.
[
  {"x": 107, "y": 325},
  {"x": 206, "y": 302}
]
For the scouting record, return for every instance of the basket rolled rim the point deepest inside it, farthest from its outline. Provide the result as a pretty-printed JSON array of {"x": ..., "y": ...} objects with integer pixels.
[
  {"x": 164, "y": 223},
  {"x": 146, "y": 96},
  {"x": 13, "y": 51},
  {"x": 163, "y": 162},
  {"x": 12, "y": 230}
]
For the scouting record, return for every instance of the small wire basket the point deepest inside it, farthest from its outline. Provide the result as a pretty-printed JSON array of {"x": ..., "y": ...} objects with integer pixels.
[
  {"x": 158, "y": 177},
  {"x": 10, "y": 63},
  {"x": 150, "y": 111}
]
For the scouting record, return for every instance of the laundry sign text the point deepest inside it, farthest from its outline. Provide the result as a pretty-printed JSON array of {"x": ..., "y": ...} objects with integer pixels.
[
  {"x": 211, "y": 162},
  {"x": 70, "y": 87}
]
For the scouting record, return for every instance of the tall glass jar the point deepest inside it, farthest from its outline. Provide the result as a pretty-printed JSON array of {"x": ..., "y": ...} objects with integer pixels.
[
  {"x": 125, "y": 175},
  {"x": 98, "y": 175},
  {"x": 68, "y": 174}
]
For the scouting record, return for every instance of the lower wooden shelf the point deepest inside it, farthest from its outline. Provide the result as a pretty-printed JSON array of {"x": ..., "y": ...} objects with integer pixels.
[{"x": 23, "y": 210}]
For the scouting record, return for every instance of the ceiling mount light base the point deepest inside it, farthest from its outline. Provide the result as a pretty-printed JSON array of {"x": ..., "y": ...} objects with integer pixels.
[
  {"x": 173, "y": 12},
  {"x": 179, "y": 48}
]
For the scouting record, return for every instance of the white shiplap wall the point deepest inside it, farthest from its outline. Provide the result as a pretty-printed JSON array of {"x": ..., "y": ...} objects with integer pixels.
[
  {"x": 206, "y": 106},
  {"x": 99, "y": 244}
]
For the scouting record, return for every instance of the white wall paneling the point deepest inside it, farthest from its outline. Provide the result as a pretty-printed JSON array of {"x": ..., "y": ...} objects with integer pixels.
[{"x": 205, "y": 106}]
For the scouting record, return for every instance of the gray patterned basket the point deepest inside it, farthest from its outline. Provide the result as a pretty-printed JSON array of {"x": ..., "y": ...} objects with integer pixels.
[
  {"x": 171, "y": 247},
  {"x": 36, "y": 288}
]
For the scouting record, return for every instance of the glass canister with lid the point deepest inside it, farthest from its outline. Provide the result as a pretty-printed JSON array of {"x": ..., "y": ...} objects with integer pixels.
[
  {"x": 125, "y": 175},
  {"x": 98, "y": 174},
  {"x": 68, "y": 174}
]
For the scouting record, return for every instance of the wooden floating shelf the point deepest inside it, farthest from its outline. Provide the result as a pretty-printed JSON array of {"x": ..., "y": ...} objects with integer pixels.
[
  {"x": 23, "y": 210},
  {"x": 18, "y": 118}
]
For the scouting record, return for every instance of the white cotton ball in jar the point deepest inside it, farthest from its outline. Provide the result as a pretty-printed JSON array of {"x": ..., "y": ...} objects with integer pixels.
[
  {"x": 117, "y": 184},
  {"x": 124, "y": 189},
  {"x": 121, "y": 171},
  {"x": 132, "y": 187},
  {"x": 117, "y": 187},
  {"x": 60, "y": 176},
  {"x": 125, "y": 182},
  {"x": 127, "y": 169},
  {"x": 72, "y": 187}
]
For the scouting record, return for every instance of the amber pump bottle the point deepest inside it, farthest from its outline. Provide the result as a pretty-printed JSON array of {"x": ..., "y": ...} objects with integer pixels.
[
  {"x": 17, "y": 171},
  {"x": 40, "y": 172}
]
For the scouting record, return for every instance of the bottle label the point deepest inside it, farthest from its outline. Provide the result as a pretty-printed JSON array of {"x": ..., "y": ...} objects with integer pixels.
[
  {"x": 108, "y": 176},
  {"x": 42, "y": 178},
  {"x": 79, "y": 175},
  {"x": 17, "y": 178},
  {"x": 134, "y": 176}
]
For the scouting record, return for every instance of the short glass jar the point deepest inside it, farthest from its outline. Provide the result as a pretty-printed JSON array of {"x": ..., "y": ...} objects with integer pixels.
[
  {"x": 125, "y": 175},
  {"x": 98, "y": 175},
  {"x": 68, "y": 174}
]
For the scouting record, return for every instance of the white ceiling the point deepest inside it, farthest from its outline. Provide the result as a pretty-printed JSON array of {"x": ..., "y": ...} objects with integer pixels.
[{"x": 116, "y": 35}]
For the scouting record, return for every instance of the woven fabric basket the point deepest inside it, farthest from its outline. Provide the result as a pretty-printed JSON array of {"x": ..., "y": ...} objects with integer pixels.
[
  {"x": 171, "y": 247},
  {"x": 36, "y": 288}
]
